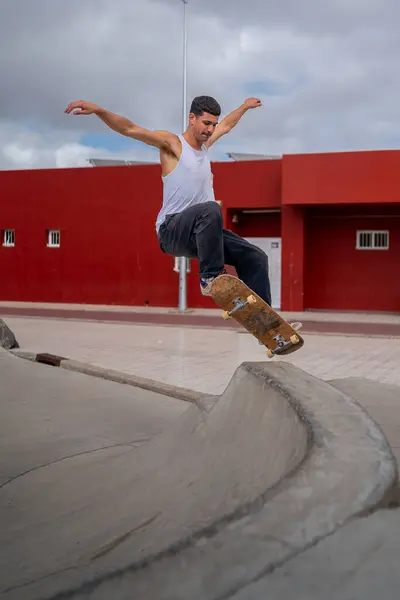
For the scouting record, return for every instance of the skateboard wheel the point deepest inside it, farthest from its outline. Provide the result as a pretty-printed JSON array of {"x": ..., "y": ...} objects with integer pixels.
[
  {"x": 294, "y": 339},
  {"x": 270, "y": 354},
  {"x": 251, "y": 299},
  {"x": 226, "y": 315}
]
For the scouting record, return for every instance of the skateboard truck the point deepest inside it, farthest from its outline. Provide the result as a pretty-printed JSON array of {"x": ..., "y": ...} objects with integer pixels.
[
  {"x": 282, "y": 343},
  {"x": 239, "y": 305}
]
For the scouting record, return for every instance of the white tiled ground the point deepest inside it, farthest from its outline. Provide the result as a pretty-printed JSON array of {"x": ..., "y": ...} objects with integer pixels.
[
  {"x": 338, "y": 316},
  {"x": 198, "y": 359}
]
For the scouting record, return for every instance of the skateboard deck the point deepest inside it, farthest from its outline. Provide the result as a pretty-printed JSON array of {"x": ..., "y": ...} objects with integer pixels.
[{"x": 247, "y": 308}]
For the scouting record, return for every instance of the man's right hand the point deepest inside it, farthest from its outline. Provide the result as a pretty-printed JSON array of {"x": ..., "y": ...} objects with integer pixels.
[{"x": 80, "y": 107}]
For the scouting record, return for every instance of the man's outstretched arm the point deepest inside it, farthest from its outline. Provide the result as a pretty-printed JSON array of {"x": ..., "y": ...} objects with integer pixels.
[
  {"x": 124, "y": 126},
  {"x": 232, "y": 119}
]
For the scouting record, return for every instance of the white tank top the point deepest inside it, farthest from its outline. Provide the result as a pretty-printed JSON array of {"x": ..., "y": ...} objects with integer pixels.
[{"x": 188, "y": 184}]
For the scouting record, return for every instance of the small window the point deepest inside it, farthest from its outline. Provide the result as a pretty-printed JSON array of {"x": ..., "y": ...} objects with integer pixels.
[
  {"x": 372, "y": 240},
  {"x": 53, "y": 238},
  {"x": 9, "y": 237}
]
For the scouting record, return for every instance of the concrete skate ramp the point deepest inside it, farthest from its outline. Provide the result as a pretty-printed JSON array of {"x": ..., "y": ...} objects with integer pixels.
[
  {"x": 226, "y": 493},
  {"x": 99, "y": 511}
]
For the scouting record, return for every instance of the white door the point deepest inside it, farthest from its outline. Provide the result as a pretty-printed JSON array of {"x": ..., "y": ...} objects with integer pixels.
[{"x": 272, "y": 248}]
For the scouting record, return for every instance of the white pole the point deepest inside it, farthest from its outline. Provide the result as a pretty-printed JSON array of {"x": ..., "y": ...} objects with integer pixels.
[{"x": 183, "y": 260}]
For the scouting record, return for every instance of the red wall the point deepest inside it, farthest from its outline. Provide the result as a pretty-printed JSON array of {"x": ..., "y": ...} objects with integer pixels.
[
  {"x": 254, "y": 224},
  {"x": 328, "y": 276},
  {"x": 109, "y": 250},
  {"x": 337, "y": 276},
  {"x": 292, "y": 289},
  {"x": 341, "y": 178},
  {"x": 248, "y": 184},
  {"x": 108, "y": 244}
]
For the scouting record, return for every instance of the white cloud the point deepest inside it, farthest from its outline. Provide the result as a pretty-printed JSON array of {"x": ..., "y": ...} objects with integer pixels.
[
  {"x": 326, "y": 72},
  {"x": 22, "y": 148}
]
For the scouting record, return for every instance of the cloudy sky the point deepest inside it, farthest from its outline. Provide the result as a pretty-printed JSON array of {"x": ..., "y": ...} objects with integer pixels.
[{"x": 326, "y": 71}]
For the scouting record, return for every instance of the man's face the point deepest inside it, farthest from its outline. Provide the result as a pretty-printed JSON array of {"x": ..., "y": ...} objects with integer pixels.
[{"x": 203, "y": 126}]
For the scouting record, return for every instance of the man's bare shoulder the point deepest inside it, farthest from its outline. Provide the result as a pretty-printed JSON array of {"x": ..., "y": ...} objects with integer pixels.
[
  {"x": 173, "y": 144},
  {"x": 166, "y": 133}
]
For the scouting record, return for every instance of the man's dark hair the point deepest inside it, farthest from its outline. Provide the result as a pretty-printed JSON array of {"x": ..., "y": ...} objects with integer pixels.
[{"x": 205, "y": 104}]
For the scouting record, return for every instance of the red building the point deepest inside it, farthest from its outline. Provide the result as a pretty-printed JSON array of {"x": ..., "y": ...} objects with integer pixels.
[{"x": 329, "y": 222}]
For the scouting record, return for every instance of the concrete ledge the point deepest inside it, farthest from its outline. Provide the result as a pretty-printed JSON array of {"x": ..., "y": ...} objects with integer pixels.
[
  {"x": 141, "y": 382},
  {"x": 26, "y": 354},
  {"x": 134, "y": 380}
]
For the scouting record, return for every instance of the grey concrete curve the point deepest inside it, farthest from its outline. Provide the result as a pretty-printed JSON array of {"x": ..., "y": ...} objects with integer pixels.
[
  {"x": 226, "y": 493},
  {"x": 349, "y": 471},
  {"x": 114, "y": 508}
]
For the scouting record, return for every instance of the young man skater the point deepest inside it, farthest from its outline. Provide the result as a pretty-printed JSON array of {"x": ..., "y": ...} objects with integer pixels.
[{"x": 190, "y": 221}]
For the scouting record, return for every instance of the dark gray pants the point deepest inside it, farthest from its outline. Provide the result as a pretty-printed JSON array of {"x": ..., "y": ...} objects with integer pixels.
[{"x": 197, "y": 232}]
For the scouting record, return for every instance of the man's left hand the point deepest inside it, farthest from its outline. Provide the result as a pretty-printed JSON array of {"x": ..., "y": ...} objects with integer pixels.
[{"x": 252, "y": 103}]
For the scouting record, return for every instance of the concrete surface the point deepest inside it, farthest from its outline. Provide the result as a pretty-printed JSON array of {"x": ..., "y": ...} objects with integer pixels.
[
  {"x": 111, "y": 375},
  {"x": 48, "y": 415},
  {"x": 118, "y": 507},
  {"x": 365, "y": 368},
  {"x": 201, "y": 359},
  {"x": 381, "y": 401},
  {"x": 315, "y": 315},
  {"x": 223, "y": 492},
  {"x": 358, "y": 562},
  {"x": 376, "y": 324},
  {"x": 205, "y": 360}
]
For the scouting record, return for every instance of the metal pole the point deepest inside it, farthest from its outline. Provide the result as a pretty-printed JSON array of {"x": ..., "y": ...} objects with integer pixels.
[{"x": 183, "y": 260}]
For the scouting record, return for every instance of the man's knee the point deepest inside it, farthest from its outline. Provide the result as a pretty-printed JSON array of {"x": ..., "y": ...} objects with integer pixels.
[
  {"x": 209, "y": 212},
  {"x": 211, "y": 208}
]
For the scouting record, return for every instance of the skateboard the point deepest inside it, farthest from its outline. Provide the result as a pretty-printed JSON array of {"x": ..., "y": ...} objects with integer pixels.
[{"x": 247, "y": 308}]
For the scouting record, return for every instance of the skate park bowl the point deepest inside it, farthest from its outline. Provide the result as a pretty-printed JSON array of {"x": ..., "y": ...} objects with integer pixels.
[{"x": 234, "y": 486}]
